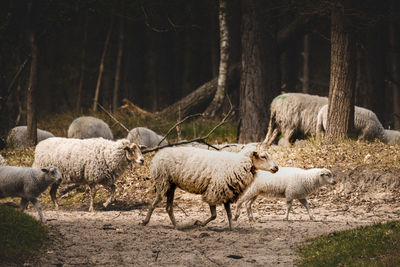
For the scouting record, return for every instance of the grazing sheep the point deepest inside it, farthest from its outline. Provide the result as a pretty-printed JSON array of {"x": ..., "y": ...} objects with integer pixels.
[
  {"x": 89, "y": 127},
  {"x": 290, "y": 183},
  {"x": 27, "y": 183},
  {"x": 392, "y": 137},
  {"x": 88, "y": 161},
  {"x": 294, "y": 115},
  {"x": 3, "y": 162},
  {"x": 17, "y": 137},
  {"x": 145, "y": 137},
  {"x": 220, "y": 177},
  {"x": 366, "y": 124}
]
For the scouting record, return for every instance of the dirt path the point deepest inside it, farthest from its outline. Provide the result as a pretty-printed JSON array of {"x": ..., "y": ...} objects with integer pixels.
[{"x": 114, "y": 238}]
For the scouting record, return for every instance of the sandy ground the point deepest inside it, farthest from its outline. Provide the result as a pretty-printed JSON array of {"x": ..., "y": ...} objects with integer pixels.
[{"x": 115, "y": 238}]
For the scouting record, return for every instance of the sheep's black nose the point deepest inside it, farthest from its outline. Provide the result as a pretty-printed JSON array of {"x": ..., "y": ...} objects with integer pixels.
[
  {"x": 59, "y": 180},
  {"x": 334, "y": 182},
  {"x": 274, "y": 169},
  {"x": 141, "y": 161}
]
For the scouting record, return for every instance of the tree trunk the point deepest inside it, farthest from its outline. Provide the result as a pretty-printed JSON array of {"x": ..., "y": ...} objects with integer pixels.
[
  {"x": 83, "y": 64},
  {"x": 31, "y": 90},
  {"x": 119, "y": 63},
  {"x": 394, "y": 77},
  {"x": 101, "y": 67},
  {"x": 219, "y": 96},
  {"x": 305, "y": 80},
  {"x": 341, "y": 111},
  {"x": 259, "y": 74}
]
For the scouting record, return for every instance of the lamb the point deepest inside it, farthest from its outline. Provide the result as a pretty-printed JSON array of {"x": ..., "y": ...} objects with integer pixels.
[
  {"x": 145, "y": 137},
  {"x": 220, "y": 177},
  {"x": 392, "y": 137},
  {"x": 89, "y": 127},
  {"x": 27, "y": 183},
  {"x": 3, "y": 162},
  {"x": 88, "y": 161},
  {"x": 290, "y": 183},
  {"x": 366, "y": 124},
  {"x": 294, "y": 115},
  {"x": 17, "y": 137}
]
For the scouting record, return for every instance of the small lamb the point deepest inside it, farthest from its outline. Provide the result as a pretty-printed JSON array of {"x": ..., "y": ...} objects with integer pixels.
[
  {"x": 27, "y": 183},
  {"x": 289, "y": 182}
]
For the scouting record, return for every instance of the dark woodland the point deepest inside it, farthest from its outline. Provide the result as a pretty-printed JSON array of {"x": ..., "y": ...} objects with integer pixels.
[{"x": 63, "y": 56}]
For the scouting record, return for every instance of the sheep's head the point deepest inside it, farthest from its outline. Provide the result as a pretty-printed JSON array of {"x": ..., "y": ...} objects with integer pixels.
[
  {"x": 263, "y": 161},
  {"x": 326, "y": 177},
  {"x": 53, "y": 175},
  {"x": 133, "y": 153}
]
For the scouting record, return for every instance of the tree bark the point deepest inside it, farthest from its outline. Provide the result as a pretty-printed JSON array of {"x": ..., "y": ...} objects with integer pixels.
[
  {"x": 101, "y": 67},
  {"x": 259, "y": 73},
  {"x": 83, "y": 65},
  {"x": 394, "y": 70},
  {"x": 341, "y": 98},
  {"x": 305, "y": 80},
  {"x": 119, "y": 63},
  {"x": 219, "y": 96},
  {"x": 31, "y": 90}
]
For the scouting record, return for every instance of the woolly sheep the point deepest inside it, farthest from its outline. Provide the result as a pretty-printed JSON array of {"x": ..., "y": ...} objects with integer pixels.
[
  {"x": 89, "y": 127},
  {"x": 88, "y": 161},
  {"x": 3, "y": 162},
  {"x": 220, "y": 177},
  {"x": 366, "y": 124},
  {"x": 27, "y": 183},
  {"x": 294, "y": 115},
  {"x": 145, "y": 137},
  {"x": 17, "y": 137},
  {"x": 392, "y": 137},
  {"x": 290, "y": 183}
]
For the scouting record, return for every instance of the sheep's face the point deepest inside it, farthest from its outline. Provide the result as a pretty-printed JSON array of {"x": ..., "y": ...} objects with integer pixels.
[
  {"x": 133, "y": 153},
  {"x": 326, "y": 177},
  {"x": 263, "y": 161},
  {"x": 53, "y": 175}
]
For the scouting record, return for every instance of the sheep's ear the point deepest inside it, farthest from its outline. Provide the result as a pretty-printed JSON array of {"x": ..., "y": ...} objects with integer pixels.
[{"x": 45, "y": 170}]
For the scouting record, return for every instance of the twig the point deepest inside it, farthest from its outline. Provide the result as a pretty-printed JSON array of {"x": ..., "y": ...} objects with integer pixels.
[
  {"x": 112, "y": 117},
  {"x": 181, "y": 210}
]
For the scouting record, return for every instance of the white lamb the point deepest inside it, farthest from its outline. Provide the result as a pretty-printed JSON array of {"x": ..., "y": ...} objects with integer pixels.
[
  {"x": 220, "y": 177},
  {"x": 89, "y": 127},
  {"x": 290, "y": 183},
  {"x": 27, "y": 183},
  {"x": 87, "y": 161},
  {"x": 392, "y": 137},
  {"x": 366, "y": 124}
]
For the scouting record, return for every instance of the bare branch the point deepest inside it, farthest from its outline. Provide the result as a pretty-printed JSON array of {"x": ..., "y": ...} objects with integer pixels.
[{"x": 112, "y": 117}]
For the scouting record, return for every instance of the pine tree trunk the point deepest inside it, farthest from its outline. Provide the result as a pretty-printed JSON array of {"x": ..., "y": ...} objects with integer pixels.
[
  {"x": 101, "y": 67},
  {"x": 394, "y": 77},
  {"x": 119, "y": 63},
  {"x": 83, "y": 65},
  {"x": 341, "y": 111},
  {"x": 259, "y": 74},
  {"x": 31, "y": 90},
  {"x": 219, "y": 96}
]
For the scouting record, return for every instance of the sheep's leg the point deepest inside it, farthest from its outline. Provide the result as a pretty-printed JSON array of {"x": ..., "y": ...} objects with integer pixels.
[
  {"x": 307, "y": 205},
  {"x": 39, "y": 209},
  {"x": 92, "y": 193},
  {"x": 111, "y": 198},
  {"x": 228, "y": 213},
  {"x": 53, "y": 194},
  {"x": 237, "y": 210},
  {"x": 170, "y": 204},
  {"x": 152, "y": 207},
  {"x": 213, "y": 210},
  {"x": 289, "y": 206},
  {"x": 24, "y": 204},
  {"x": 249, "y": 211}
]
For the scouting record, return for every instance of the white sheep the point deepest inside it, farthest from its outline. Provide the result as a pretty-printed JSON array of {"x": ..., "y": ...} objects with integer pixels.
[
  {"x": 392, "y": 137},
  {"x": 366, "y": 124},
  {"x": 220, "y": 177},
  {"x": 88, "y": 161},
  {"x": 290, "y": 183},
  {"x": 3, "y": 162},
  {"x": 145, "y": 137},
  {"x": 294, "y": 115},
  {"x": 89, "y": 127},
  {"x": 17, "y": 137},
  {"x": 27, "y": 183}
]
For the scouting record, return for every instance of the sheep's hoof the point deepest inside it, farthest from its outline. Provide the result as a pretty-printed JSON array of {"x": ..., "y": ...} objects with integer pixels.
[
  {"x": 143, "y": 223},
  {"x": 198, "y": 223}
]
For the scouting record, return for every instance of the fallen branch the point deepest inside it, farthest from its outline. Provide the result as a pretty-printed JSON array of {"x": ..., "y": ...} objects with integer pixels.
[
  {"x": 135, "y": 109},
  {"x": 112, "y": 117}
]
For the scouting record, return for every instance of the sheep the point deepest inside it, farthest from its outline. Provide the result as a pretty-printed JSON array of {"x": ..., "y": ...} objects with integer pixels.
[
  {"x": 17, "y": 137},
  {"x": 27, "y": 183},
  {"x": 392, "y": 136},
  {"x": 145, "y": 137},
  {"x": 366, "y": 124},
  {"x": 3, "y": 162},
  {"x": 220, "y": 177},
  {"x": 88, "y": 161},
  {"x": 294, "y": 115},
  {"x": 89, "y": 127},
  {"x": 289, "y": 182}
]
